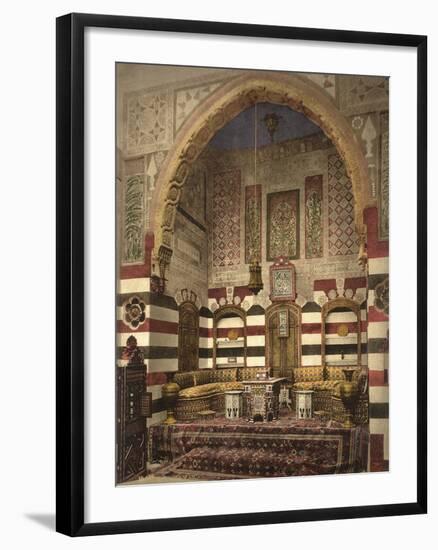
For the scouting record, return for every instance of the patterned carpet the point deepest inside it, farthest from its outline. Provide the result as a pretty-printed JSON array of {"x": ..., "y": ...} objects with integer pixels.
[{"x": 223, "y": 449}]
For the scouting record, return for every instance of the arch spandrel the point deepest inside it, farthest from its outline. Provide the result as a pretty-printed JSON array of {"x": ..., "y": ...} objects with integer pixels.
[{"x": 226, "y": 103}]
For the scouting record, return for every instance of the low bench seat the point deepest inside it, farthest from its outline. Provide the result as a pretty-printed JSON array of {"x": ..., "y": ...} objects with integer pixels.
[
  {"x": 209, "y": 389},
  {"x": 205, "y": 389}
]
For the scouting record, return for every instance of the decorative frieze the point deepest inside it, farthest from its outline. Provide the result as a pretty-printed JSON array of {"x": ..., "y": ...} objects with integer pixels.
[
  {"x": 383, "y": 199},
  {"x": 149, "y": 122},
  {"x": 363, "y": 94},
  {"x": 187, "y": 99},
  {"x": 133, "y": 220}
]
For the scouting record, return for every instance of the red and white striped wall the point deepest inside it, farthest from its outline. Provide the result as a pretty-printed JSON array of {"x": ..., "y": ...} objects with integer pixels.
[
  {"x": 338, "y": 349},
  {"x": 378, "y": 326}
]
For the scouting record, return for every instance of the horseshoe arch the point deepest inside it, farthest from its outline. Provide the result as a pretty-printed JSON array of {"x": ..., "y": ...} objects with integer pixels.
[{"x": 226, "y": 102}]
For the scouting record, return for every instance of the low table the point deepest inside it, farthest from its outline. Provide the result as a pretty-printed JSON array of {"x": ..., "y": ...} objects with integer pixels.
[{"x": 262, "y": 399}]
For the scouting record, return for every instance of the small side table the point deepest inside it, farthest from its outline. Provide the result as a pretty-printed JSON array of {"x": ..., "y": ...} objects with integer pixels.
[
  {"x": 304, "y": 400},
  {"x": 284, "y": 399},
  {"x": 262, "y": 399},
  {"x": 233, "y": 404}
]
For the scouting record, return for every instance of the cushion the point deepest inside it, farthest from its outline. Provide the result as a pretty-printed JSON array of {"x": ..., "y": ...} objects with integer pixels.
[
  {"x": 320, "y": 385},
  {"x": 209, "y": 389},
  {"x": 184, "y": 379},
  {"x": 202, "y": 377},
  {"x": 308, "y": 374}
]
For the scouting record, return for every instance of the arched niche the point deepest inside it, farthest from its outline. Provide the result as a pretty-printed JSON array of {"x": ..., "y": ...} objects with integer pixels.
[
  {"x": 340, "y": 305},
  {"x": 283, "y": 338},
  {"x": 226, "y": 320},
  {"x": 226, "y": 103},
  {"x": 188, "y": 337}
]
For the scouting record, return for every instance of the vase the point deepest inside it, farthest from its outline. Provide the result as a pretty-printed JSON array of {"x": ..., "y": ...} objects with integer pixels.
[
  {"x": 170, "y": 395},
  {"x": 349, "y": 396}
]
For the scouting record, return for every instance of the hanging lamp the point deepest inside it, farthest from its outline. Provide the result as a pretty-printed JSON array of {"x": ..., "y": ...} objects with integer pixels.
[{"x": 255, "y": 284}]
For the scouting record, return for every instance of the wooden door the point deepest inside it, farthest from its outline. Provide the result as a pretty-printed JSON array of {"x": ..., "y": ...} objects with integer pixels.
[
  {"x": 283, "y": 341},
  {"x": 188, "y": 340}
]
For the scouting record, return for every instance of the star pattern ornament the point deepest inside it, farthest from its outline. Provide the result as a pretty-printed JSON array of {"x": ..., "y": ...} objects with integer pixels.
[{"x": 149, "y": 126}]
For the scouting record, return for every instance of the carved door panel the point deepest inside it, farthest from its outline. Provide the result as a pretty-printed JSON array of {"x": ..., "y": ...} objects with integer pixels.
[
  {"x": 274, "y": 346},
  {"x": 131, "y": 422},
  {"x": 188, "y": 343},
  {"x": 292, "y": 345}
]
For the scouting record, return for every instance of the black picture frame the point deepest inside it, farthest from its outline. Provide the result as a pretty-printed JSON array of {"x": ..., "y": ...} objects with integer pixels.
[{"x": 70, "y": 273}]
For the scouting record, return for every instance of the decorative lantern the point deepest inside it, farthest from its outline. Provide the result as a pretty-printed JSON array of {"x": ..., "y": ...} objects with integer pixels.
[
  {"x": 272, "y": 120},
  {"x": 255, "y": 284}
]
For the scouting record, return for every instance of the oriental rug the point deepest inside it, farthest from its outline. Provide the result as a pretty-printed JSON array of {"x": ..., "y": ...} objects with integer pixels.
[{"x": 221, "y": 449}]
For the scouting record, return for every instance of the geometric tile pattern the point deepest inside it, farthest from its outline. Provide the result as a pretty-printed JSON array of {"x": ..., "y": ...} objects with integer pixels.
[
  {"x": 187, "y": 99},
  {"x": 342, "y": 235},
  {"x": 149, "y": 122},
  {"x": 226, "y": 219},
  {"x": 325, "y": 81},
  {"x": 363, "y": 94}
]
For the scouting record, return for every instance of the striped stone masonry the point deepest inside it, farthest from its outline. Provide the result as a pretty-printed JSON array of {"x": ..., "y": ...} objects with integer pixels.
[
  {"x": 205, "y": 338},
  {"x": 378, "y": 327},
  {"x": 157, "y": 337},
  {"x": 338, "y": 349}
]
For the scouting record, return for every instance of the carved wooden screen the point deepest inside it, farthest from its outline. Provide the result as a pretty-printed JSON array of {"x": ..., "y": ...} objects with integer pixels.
[
  {"x": 283, "y": 346},
  {"x": 188, "y": 340},
  {"x": 131, "y": 422}
]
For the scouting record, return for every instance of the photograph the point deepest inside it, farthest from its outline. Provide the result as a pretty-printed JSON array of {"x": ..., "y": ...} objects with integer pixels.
[{"x": 252, "y": 273}]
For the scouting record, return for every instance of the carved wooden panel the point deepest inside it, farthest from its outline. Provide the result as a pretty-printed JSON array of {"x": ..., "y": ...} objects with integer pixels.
[
  {"x": 283, "y": 345},
  {"x": 188, "y": 340},
  {"x": 131, "y": 423}
]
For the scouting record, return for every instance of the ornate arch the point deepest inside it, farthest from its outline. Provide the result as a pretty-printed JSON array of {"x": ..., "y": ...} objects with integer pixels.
[
  {"x": 228, "y": 310},
  {"x": 226, "y": 103},
  {"x": 333, "y": 305}
]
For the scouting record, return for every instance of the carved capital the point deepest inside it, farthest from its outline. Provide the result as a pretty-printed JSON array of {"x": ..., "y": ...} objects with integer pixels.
[{"x": 164, "y": 256}]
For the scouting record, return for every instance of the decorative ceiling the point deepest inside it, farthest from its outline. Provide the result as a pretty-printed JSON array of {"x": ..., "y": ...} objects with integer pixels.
[{"x": 239, "y": 132}]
